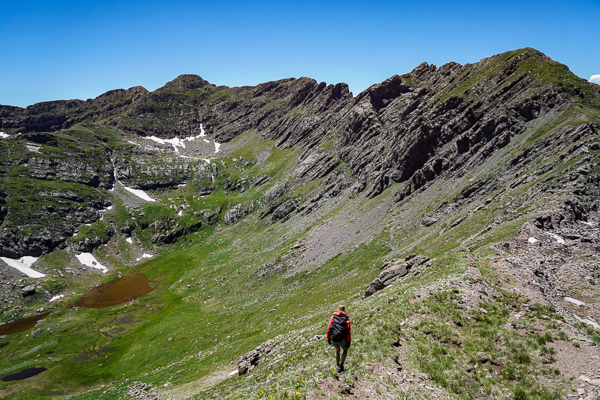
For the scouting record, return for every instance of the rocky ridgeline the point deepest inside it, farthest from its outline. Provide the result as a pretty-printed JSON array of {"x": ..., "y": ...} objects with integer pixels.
[{"x": 432, "y": 123}]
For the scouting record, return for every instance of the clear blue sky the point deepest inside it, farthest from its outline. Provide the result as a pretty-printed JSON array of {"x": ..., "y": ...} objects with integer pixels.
[{"x": 80, "y": 49}]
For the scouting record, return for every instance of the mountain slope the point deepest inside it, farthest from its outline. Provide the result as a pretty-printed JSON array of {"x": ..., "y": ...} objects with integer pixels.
[{"x": 292, "y": 196}]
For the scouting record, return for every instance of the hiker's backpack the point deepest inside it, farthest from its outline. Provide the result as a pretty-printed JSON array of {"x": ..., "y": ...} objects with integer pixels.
[{"x": 338, "y": 328}]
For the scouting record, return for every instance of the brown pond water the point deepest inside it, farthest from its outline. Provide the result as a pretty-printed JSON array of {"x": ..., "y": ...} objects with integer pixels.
[
  {"x": 26, "y": 373},
  {"x": 117, "y": 291},
  {"x": 21, "y": 325}
]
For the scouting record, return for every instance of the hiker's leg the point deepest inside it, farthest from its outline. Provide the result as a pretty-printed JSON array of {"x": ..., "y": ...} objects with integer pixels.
[
  {"x": 344, "y": 354},
  {"x": 337, "y": 355}
]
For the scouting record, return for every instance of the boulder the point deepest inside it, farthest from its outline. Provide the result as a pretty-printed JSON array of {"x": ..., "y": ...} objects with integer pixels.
[
  {"x": 28, "y": 290},
  {"x": 374, "y": 287},
  {"x": 392, "y": 270}
]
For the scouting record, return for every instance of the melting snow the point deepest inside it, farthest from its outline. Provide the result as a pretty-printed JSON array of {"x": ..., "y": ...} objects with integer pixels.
[
  {"x": 575, "y": 301},
  {"x": 588, "y": 321},
  {"x": 24, "y": 264},
  {"x": 139, "y": 193},
  {"x": 89, "y": 260},
  {"x": 4, "y": 135},
  {"x": 128, "y": 240},
  {"x": 34, "y": 148},
  {"x": 145, "y": 255},
  {"x": 177, "y": 142},
  {"x": 532, "y": 240},
  {"x": 555, "y": 236},
  {"x": 60, "y": 296}
]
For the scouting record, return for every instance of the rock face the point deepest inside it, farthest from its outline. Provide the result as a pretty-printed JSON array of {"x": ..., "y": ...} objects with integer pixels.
[
  {"x": 168, "y": 231},
  {"x": 237, "y": 212},
  {"x": 392, "y": 270}
]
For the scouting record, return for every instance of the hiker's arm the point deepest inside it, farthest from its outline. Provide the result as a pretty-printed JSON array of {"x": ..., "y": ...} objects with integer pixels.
[
  {"x": 348, "y": 337},
  {"x": 329, "y": 326}
]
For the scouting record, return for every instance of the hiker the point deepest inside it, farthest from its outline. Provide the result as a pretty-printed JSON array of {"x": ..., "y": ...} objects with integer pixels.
[{"x": 338, "y": 335}]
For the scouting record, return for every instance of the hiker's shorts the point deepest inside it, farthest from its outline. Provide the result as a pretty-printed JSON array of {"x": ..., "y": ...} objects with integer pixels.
[{"x": 342, "y": 344}]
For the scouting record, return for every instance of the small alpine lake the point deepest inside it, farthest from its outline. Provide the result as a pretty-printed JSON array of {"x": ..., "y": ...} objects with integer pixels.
[{"x": 118, "y": 291}]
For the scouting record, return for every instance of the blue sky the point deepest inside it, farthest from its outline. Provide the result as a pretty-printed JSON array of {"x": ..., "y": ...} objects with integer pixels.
[{"x": 80, "y": 49}]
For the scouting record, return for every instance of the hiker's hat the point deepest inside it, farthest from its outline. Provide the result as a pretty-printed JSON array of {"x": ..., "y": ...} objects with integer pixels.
[{"x": 341, "y": 307}]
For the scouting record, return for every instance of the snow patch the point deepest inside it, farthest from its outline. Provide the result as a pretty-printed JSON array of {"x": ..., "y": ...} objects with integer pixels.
[
  {"x": 555, "y": 236},
  {"x": 575, "y": 301},
  {"x": 532, "y": 240},
  {"x": 177, "y": 142},
  {"x": 180, "y": 143},
  {"x": 89, "y": 260},
  {"x": 60, "y": 296},
  {"x": 139, "y": 193},
  {"x": 180, "y": 213},
  {"x": 24, "y": 264},
  {"x": 589, "y": 322},
  {"x": 34, "y": 148},
  {"x": 4, "y": 135},
  {"x": 145, "y": 255},
  {"x": 129, "y": 240}
]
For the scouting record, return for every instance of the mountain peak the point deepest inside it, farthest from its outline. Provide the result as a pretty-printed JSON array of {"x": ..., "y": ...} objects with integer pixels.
[{"x": 184, "y": 82}]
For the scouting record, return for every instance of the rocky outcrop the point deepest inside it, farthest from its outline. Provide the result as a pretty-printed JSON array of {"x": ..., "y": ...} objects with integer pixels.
[
  {"x": 251, "y": 359},
  {"x": 167, "y": 231},
  {"x": 89, "y": 243},
  {"x": 392, "y": 270},
  {"x": 237, "y": 212},
  {"x": 142, "y": 168}
]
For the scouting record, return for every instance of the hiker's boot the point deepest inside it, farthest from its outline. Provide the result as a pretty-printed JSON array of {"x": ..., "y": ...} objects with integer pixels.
[{"x": 339, "y": 368}]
